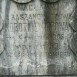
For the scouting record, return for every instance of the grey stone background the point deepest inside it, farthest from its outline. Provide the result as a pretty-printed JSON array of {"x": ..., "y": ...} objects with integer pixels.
[{"x": 38, "y": 37}]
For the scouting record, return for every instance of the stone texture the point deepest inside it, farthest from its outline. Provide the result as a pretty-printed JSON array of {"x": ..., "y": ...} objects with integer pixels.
[
  {"x": 38, "y": 38},
  {"x": 59, "y": 34}
]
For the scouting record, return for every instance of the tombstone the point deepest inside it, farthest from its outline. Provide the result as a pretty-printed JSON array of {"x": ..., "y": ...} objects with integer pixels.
[{"x": 38, "y": 37}]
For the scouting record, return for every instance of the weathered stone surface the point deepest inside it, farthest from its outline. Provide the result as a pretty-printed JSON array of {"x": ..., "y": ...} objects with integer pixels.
[
  {"x": 59, "y": 33},
  {"x": 37, "y": 37},
  {"x": 23, "y": 36}
]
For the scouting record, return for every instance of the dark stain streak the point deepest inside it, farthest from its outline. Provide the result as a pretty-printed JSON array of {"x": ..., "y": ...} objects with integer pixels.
[
  {"x": 2, "y": 28},
  {"x": 1, "y": 53},
  {"x": 49, "y": 36},
  {"x": 74, "y": 31},
  {"x": 72, "y": 51}
]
